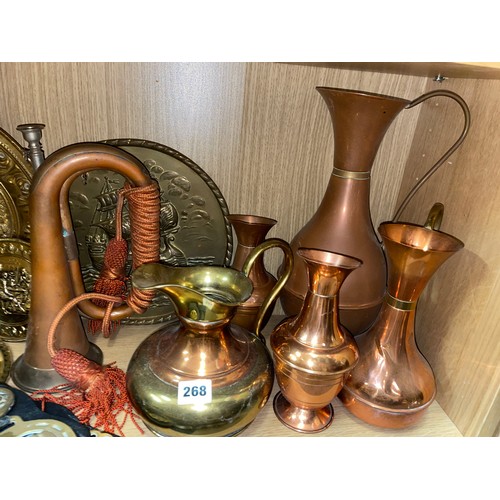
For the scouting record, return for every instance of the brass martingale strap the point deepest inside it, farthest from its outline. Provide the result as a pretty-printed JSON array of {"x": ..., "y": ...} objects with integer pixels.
[
  {"x": 402, "y": 305},
  {"x": 350, "y": 174}
]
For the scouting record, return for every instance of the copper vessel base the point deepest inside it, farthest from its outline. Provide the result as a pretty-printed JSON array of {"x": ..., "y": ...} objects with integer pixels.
[
  {"x": 156, "y": 432},
  {"x": 301, "y": 419},
  {"x": 381, "y": 417}
]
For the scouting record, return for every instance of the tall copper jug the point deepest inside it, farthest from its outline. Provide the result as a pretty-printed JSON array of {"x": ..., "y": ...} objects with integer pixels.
[
  {"x": 251, "y": 232},
  {"x": 342, "y": 222},
  {"x": 393, "y": 384},
  {"x": 313, "y": 352}
]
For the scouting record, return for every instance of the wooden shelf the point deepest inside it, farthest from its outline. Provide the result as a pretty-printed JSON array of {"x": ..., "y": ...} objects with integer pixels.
[
  {"x": 263, "y": 134},
  {"x": 120, "y": 348},
  {"x": 476, "y": 70}
]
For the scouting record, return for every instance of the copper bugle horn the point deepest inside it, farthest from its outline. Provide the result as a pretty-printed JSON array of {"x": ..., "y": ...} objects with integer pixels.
[{"x": 56, "y": 276}]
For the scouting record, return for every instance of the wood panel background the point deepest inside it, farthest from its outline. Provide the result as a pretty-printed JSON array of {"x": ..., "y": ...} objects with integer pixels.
[{"x": 263, "y": 133}]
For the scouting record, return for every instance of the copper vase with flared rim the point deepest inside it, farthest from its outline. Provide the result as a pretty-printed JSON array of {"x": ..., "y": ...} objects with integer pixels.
[
  {"x": 342, "y": 222},
  {"x": 202, "y": 347},
  {"x": 393, "y": 384},
  {"x": 251, "y": 231},
  {"x": 312, "y": 351}
]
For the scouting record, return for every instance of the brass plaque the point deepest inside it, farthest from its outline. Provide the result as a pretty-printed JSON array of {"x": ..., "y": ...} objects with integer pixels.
[
  {"x": 15, "y": 259},
  {"x": 5, "y": 362},
  {"x": 15, "y": 288},
  {"x": 15, "y": 177}
]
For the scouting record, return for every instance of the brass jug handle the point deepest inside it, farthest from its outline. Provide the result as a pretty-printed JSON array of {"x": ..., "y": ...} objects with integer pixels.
[
  {"x": 435, "y": 167},
  {"x": 273, "y": 294},
  {"x": 435, "y": 217}
]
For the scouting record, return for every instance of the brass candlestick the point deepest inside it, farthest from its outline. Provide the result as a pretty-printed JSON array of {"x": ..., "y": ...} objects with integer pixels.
[{"x": 32, "y": 133}]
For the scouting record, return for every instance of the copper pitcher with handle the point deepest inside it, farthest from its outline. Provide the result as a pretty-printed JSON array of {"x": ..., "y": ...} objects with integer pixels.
[
  {"x": 251, "y": 231},
  {"x": 342, "y": 222},
  {"x": 393, "y": 385}
]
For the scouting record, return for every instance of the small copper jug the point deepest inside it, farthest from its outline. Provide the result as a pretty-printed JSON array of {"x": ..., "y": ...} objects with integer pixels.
[
  {"x": 202, "y": 375},
  {"x": 251, "y": 231},
  {"x": 313, "y": 353},
  {"x": 342, "y": 223},
  {"x": 393, "y": 384}
]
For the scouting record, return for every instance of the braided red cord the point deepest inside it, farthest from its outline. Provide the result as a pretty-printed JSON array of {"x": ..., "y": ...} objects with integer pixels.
[
  {"x": 111, "y": 281},
  {"x": 84, "y": 296},
  {"x": 145, "y": 230},
  {"x": 144, "y": 215}
]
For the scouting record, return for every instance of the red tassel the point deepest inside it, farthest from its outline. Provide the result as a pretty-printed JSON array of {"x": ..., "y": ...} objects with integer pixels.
[
  {"x": 98, "y": 393},
  {"x": 111, "y": 281}
]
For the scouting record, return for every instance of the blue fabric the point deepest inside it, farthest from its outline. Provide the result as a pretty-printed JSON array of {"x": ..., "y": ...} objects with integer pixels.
[{"x": 28, "y": 409}]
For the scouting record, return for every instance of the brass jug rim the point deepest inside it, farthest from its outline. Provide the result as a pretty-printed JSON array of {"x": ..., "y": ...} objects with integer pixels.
[{"x": 219, "y": 284}]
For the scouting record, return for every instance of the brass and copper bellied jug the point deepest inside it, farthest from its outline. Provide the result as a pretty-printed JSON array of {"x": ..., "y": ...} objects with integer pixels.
[
  {"x": 393, "y": 384},
  {"x": 202, "y": 375},
  {"x": 342, "y": 222},
  {"x": 313, "y": 353}
]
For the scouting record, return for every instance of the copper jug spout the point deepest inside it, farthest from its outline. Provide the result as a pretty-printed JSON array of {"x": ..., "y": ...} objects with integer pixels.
[{"x": 55, "y": 269}]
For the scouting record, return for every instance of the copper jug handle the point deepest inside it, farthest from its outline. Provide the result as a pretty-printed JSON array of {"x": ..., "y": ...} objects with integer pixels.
[
  {"x": 435, "y": 217},
  {"x": 435, "y": 167},
  {"x": 273, "y": 294}
]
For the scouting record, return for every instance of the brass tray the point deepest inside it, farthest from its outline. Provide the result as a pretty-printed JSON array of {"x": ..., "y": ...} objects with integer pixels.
[
  {"x": 16, "y": 174},
  {"x": 194, "y": 229},
  {"x": 15, "y": 288},
  {"x": 10, "y": 221},
  {"x": 5, "y": 361}
]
